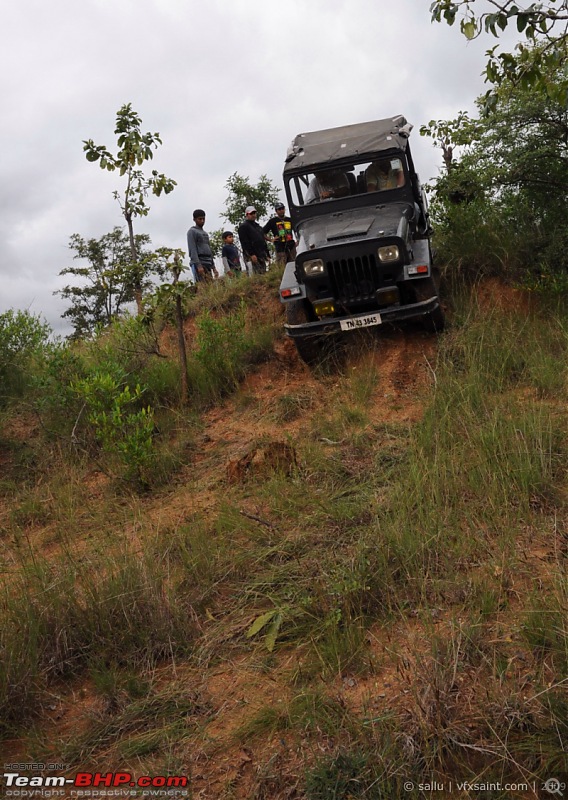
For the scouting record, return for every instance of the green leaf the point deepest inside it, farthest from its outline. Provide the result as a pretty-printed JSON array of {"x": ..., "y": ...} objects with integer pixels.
[
  {"x": 272, "y": 634},
  {"x": 502, "y": 21},
  {"x": 450, "y": 15},
  {"x": 260, "y": 622}
]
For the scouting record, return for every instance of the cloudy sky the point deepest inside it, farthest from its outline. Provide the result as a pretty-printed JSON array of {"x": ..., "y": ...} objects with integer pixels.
[{"x": 227, "y": 83}]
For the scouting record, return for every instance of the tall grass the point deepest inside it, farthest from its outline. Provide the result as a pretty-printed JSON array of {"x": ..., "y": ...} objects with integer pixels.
[
  {"x": 140, "y": 725},
  {"x": 59, "y": 619},
  {"x": 487, "y": 453},
  {"x": 225, "y": 346}
]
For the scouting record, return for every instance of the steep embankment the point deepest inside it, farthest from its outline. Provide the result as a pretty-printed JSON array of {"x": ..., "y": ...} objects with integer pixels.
[{"x": 351, "y": 583}]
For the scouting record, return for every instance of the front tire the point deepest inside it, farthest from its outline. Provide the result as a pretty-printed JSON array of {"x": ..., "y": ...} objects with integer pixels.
[
  {"x": 309, "y": 347},
  {"x": 424, "y": 289}
]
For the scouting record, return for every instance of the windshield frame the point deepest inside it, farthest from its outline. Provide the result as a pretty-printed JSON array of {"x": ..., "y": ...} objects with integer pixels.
[{"x": 350, "y": 201}]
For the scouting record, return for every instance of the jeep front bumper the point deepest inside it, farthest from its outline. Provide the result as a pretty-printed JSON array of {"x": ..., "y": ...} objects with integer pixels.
[{"x": 390, "y": 314}]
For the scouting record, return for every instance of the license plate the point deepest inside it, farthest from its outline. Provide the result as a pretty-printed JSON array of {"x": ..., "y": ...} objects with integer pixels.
[{"x": 360, "y": 322}]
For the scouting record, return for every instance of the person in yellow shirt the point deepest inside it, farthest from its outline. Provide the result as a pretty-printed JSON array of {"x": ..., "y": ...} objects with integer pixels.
[{"x": 281, "y": 234}]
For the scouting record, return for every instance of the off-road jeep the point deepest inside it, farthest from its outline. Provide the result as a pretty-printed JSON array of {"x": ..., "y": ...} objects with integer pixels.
[{"x": 361, "y": 219}]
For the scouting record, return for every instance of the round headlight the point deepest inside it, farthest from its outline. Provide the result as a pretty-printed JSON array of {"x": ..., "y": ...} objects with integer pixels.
[
  {"x": 388, "y": 253},
  {"x": 314, "y": 267}
]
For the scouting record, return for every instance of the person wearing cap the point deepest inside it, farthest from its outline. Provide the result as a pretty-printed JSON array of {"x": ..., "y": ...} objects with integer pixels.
[
  {"x": 252, "y": 241},
  {"x": 200, "y": 253},
  {"x": 280, "y": 231}
]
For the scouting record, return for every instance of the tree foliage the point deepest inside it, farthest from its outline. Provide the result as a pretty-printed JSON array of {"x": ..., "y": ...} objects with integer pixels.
[
  {"x": 216, "y": 241},
  {"x": 22, "y": 336},
  {"x": 134, "y": 149},
  {"x": 242, "y": 193},
  {"x": 544, "y": 24},
  {"x": 448, "y": 134},
  {"x": 503, "y": 200},
  {"x": 107, "y": 281}
]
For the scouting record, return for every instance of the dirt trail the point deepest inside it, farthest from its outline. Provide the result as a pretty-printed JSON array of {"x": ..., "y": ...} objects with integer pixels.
[
  {"x": 402, "y": 360},
  {"x": 277, "y": 403}
]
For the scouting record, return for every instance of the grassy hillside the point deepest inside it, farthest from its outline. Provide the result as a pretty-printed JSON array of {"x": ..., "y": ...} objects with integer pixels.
[{"x": 330, "y": 584}]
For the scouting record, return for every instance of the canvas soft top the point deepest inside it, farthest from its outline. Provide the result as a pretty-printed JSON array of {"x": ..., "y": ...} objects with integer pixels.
[{"x": 349, "y": 141}]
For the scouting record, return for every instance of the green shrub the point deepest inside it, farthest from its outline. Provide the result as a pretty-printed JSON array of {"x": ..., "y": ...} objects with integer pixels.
[
  {"x": 22, "y": 336},
  {"x": 225, "y": 347},
  {"x": 477, "y": 238},
  {"x": 72, "y": 373},
  {"x": 122, "y": 425},
  {"x": 162, "y": 381}
]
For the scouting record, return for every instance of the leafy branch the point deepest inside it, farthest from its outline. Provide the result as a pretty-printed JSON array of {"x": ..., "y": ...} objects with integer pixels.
[{"x": 544, "y": 24}]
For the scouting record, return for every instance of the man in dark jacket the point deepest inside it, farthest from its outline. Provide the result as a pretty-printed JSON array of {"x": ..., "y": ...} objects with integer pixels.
[
  {"x": 253, "y": 242},
  {"x": 280, "y": 230},
  {"x": 200, "y": 255}
]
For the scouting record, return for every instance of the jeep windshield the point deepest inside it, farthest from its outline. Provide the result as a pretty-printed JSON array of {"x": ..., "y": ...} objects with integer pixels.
[{"x": 384, "y": 174}]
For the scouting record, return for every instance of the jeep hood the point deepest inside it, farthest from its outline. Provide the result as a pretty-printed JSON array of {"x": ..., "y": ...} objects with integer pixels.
[{"x": 343, "y": 227}]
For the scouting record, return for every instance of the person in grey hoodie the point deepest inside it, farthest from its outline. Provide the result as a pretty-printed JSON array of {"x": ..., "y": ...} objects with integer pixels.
[{"x": 200, "y": 255}]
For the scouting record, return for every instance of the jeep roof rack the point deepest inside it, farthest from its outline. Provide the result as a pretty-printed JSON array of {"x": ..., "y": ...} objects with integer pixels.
[{"x": 317, "y": 147}]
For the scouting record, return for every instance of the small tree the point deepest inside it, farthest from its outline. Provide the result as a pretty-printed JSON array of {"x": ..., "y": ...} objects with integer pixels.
[
  {"x": 134, "y": 149},
  {"x": 242, "y": 193},
  {"x": 174, "y": 293},
  {"x": 448, "y": 134},
  {"x": 108, "y": 282}
]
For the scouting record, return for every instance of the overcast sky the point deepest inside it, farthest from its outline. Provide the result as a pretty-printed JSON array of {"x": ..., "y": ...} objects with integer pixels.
[{"x": 227, "y": 83}]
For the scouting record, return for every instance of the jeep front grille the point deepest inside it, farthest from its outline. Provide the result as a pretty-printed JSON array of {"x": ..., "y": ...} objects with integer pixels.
[{"x": 354, "y": 279}]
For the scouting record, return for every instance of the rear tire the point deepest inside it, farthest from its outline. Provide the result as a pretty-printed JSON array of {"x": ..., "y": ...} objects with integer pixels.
[
  {"x": 424, "y": 289},
  {"x": 310, "y": 348}
]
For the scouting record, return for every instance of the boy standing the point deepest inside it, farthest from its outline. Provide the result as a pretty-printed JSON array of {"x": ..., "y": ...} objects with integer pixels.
[
  {"x": 200, "y": 254},
  {"x": 230, "y": 255}
]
